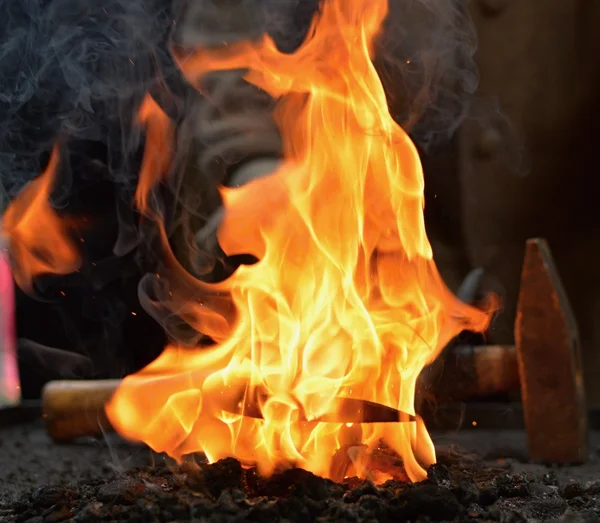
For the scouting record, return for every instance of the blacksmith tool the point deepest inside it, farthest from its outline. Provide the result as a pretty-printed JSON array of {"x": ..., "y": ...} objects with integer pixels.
[
  {"x": 549, "y": 359},
  {"x": 473, "y": 372},
  {"x": 75, "y": 409}
]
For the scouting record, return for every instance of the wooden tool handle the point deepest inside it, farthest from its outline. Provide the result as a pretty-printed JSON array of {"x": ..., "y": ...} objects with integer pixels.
[
  {"x": 469, "y": 372},
  {"x": 74, "y": 409},
  {"x": 494, "y": 369}
]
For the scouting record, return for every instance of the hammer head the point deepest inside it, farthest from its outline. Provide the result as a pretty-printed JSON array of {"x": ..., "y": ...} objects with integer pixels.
[{"x": 549, "y": 359}]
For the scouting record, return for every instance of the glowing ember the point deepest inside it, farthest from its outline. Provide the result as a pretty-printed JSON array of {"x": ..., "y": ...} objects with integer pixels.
[{"x": 345, "y": 301}]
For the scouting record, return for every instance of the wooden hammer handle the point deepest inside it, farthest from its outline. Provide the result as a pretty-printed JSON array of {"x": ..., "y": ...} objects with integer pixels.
[{"x": 74, "y": 409}]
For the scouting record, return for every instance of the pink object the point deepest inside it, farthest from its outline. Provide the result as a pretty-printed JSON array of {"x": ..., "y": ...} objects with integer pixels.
[{"x": 10, "y": 388}]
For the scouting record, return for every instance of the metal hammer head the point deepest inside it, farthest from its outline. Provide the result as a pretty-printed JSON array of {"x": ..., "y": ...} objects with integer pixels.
[{"x": 549, "y": 358}]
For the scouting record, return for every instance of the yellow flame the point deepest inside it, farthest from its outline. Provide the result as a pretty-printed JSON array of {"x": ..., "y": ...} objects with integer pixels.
[
  {"x": 157, "y": 153},
  {"x": 345, "y": 300},
  {"x": 39, "y": 240}
]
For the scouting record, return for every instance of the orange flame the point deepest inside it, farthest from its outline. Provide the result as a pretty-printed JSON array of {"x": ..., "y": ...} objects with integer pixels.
[
  {"x": 345, "y": 301},
  {"x": 39, "y": 239},
  {"x": 157, "y": 153}
]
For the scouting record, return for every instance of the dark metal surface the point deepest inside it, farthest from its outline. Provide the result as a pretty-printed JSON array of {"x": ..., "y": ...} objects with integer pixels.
[
  {"x": 549, "y": 358},
  {"x": 456, "y": 416},
  {"x": 74, "y": 409},
  {"x": 346, "y": 410}
]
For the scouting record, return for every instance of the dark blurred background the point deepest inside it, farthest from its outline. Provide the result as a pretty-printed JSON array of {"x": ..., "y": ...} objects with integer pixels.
[
  {"x": 507, "y": 124},
  {"x": 539, "y": 61}
]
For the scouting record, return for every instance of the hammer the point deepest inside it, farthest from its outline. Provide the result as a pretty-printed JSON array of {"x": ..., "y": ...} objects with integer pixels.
[{"x": 74, "y": 409}]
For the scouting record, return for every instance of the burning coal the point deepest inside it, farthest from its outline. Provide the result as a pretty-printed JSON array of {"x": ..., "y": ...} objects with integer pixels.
[{"x": 344, "y": 302}]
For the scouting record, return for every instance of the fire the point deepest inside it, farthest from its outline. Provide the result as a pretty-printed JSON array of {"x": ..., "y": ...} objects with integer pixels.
[
  {"x": 157, "y": 153},
  {"x": 39, "y": 240},
  {"x": 345, "y": 300},
  {"x": 343, "y": 309}
]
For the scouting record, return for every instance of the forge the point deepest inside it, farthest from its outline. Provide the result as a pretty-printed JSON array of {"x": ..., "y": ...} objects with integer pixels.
[{"x": 307, "y": 360}]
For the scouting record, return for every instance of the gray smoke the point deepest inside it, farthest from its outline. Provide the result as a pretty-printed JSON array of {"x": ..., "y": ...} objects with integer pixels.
[
  {"x": 76, "y": 69},
  {"x": 424, "y": 56},
  {"x": 426, "y": 63},
  {"x": 79, "y": 68}
]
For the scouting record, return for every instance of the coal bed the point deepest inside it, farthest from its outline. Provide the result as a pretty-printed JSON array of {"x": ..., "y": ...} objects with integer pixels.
[{"x": 480, "y": 476}]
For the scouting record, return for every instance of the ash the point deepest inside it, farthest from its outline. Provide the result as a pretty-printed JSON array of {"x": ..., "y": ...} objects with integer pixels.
[{"x": 462, "y": 486}]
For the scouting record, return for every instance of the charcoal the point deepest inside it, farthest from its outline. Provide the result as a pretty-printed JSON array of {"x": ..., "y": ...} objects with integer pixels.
[
  {"x": 264, "y": 512},
  {"x": 120, "y": 492},
  {"x": 549, "y": 478},
  {"x": 507, "y": 515},
  {"x": 89, "y": 512},
  {"x": 439, "y": 474},
  {"x": 549, "y": 506},
  {"x": 292, "y": 481},
  {"x": 226, "y": 473},
  {"x": 466, "y": 491},
  {"x": 363, "y": 488},
  {"x": 47, "y": 496},
  {"x": 433, "y": 501},
  {"x": 57, "y": 513},
  {"x": 293, "y": 509},
  {"x": 573, "y": 490},
  {"x": 587, "y": 516},
  {"x": 593, "y": 488},
  {"x": 541, "y": 489},
  {"x": 512, "y": 486},
  {"x": 488, "y": 494},
  {"x": 460, "y": 487},
  {"x": 475, "y": 511}
]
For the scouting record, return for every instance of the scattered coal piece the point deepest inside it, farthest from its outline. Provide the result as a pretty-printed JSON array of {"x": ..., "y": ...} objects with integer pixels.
[{"x": 460, "y": 487}]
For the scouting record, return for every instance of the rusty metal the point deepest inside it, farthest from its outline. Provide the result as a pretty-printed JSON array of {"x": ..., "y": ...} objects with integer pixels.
[
  {"x": 345, "y": 410},
  {"x": 549, "y": 359}
]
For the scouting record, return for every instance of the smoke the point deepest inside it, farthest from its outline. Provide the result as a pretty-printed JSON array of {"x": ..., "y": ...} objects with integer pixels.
[
  {"x": 424, "y": 55},
  {"x": 78, "y": 70},
  {"x": 75, "y": 71},
  {"x": 425, "y": 59}
]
